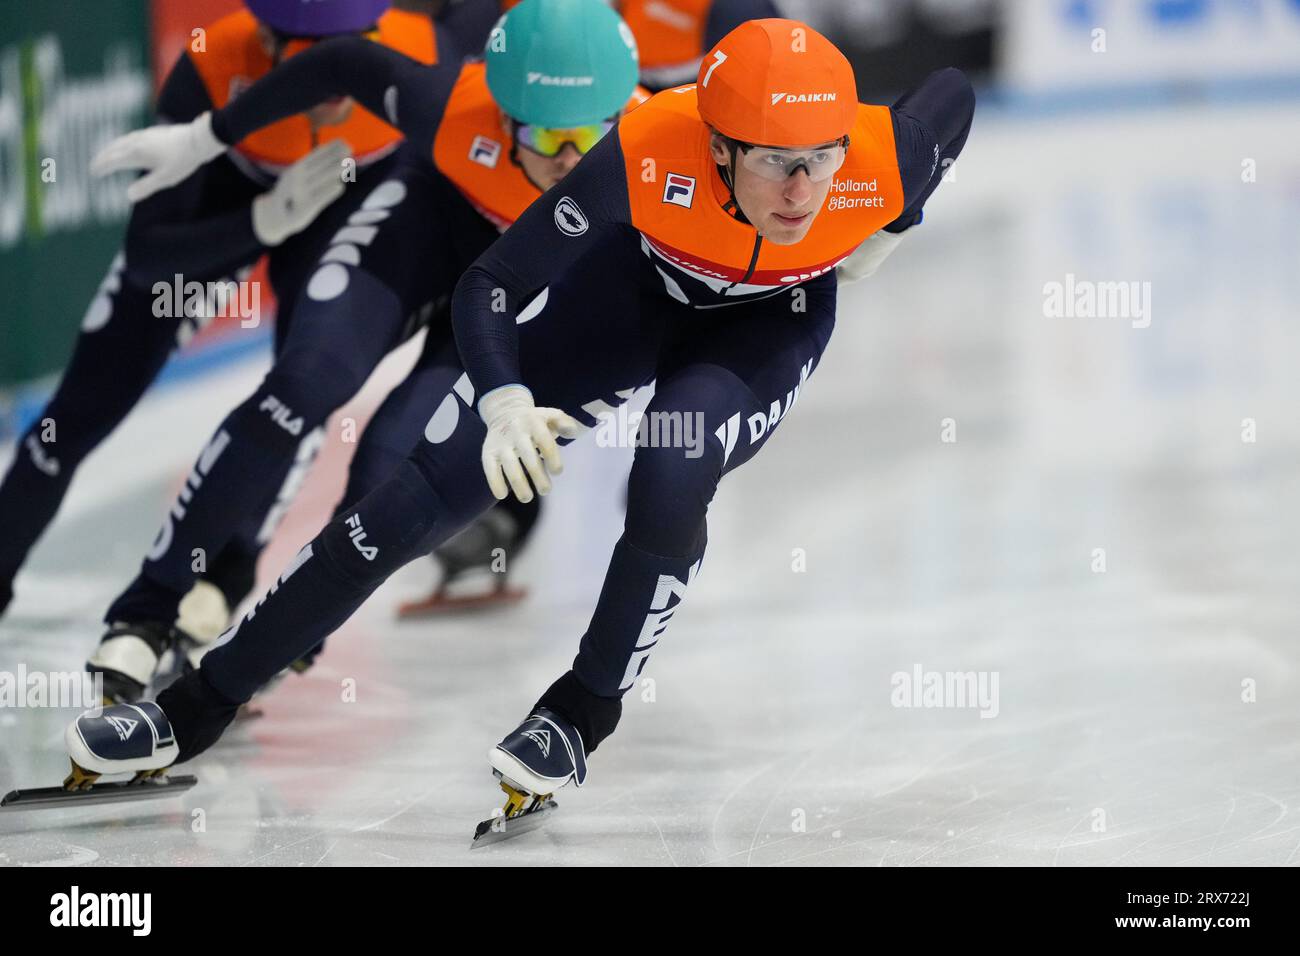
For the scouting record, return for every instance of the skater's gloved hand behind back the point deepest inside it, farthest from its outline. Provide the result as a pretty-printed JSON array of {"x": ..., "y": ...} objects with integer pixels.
[
  {"x": 167, "y": 154},
  {"x": 521, "y": 437},
  {"x": 300, "y": 194},
  {"x": 868, "y": 257}
]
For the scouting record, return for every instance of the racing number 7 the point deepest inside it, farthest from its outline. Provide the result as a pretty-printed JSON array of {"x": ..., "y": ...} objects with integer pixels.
[{"x": 719, "y": 57}]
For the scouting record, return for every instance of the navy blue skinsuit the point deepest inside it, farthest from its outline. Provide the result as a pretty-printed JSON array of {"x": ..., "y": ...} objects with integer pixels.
[
  {"x": 201, "y": 229},
  {"x": 398, "y": 255},
  {"x": 588, "y": 317}
]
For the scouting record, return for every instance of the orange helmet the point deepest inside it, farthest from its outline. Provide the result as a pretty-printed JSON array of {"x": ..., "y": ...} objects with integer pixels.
[{"x": 777, "y": 83}]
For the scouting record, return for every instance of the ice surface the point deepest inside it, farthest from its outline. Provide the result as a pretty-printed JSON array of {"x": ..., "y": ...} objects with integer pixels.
[{"x": 1121, "y": 735}]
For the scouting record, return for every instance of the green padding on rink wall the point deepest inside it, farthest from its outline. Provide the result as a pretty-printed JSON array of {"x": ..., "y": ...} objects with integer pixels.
[{"x": 73, "y": 75}]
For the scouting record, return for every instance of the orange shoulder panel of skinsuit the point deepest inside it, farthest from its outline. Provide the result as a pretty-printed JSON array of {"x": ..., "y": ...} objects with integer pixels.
[
  {"x": 674, "y": 192},
  {"x": 234, "y": 60},
  {"x": 230, "y": 51},
  {"x": 676, "y": 195},
  {"x": 472, "y": 149},
  {"x": 865, "y": 195},
  {"x": 639, "y": 96},
  {"x": 668, "y": 32}
]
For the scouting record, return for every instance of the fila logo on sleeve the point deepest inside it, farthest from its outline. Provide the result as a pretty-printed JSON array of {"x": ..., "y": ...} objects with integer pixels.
[{"x": 679, "y": 190}]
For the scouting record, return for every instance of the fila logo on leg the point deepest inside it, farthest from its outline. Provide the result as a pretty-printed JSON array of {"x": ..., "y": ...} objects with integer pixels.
[
  {"x": 679, "y": 190},
  {"x": 358, "y": 535}
]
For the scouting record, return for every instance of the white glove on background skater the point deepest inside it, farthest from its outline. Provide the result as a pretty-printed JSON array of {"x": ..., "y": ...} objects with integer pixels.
[
  {"x": 867, "y": 258},
  {"x": 168, "y": 154},
  {"x": 521, "y": 437},
  {"x": 300, "y": 194}
]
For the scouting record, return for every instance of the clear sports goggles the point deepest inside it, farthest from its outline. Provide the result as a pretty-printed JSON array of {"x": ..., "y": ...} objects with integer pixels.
[
  {"x": 550, "y": 142},
  {"x": 778, "y": 164}
]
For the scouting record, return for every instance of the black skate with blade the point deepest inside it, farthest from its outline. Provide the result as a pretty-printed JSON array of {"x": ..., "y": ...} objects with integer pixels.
[
  {"x": 128, "y": 656},
  {"x": 126, "y": 738},
  {"x": 470, "y": 580},
  {"x": 540, "y": 756}
]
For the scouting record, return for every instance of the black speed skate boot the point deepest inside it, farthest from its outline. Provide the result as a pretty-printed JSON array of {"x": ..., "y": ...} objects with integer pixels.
[
  {"x": 144, "y": 738},
  {"x": 127, "y": 658},
  {"x": 538, "y": 757},
  {"x": 123, "y": 738},
  {"x": 541, "y": 755}
]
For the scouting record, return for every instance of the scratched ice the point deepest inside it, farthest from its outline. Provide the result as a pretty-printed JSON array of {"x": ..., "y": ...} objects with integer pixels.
[{"x": 1146, "y": 713}]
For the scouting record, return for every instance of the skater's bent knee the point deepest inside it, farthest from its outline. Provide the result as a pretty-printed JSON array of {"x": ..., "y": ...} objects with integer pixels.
[
  {"x": 668, "y": 497},
  {"x": 308, "y": 392},
  {"x": 383, "y": 531}
]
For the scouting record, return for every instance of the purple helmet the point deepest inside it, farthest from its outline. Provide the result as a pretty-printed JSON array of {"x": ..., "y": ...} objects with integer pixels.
[{"x": 317, "y": 18}]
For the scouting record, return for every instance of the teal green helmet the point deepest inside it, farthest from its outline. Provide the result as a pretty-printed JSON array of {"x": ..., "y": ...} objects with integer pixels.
[{"x": 561, "y": 63}]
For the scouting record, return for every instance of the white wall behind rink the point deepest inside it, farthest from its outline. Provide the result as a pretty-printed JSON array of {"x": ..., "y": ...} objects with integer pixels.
[{"x": 1049, "y": 44}]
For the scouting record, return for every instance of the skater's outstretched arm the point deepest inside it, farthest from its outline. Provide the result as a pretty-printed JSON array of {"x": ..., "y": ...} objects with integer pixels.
[
  {"x": 171, "y": 232},
  {"x": 931, "y": 124},
  {"x": 407, "y": 93}
]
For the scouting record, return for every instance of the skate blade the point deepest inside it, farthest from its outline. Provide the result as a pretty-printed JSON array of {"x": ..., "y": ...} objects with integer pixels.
[
  {"x": 43, "y": 798},
  {"x": 439, "y": 603},
  {"x": 503, "y": 828}
]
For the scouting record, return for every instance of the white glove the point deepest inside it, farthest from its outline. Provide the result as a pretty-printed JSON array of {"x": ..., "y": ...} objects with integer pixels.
[
  {"x": 521, "y": 436},
  {"x": 868, "y": 256},
  {"x": 168, "y": 154},
  {"x": 300, "y": 194}
]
